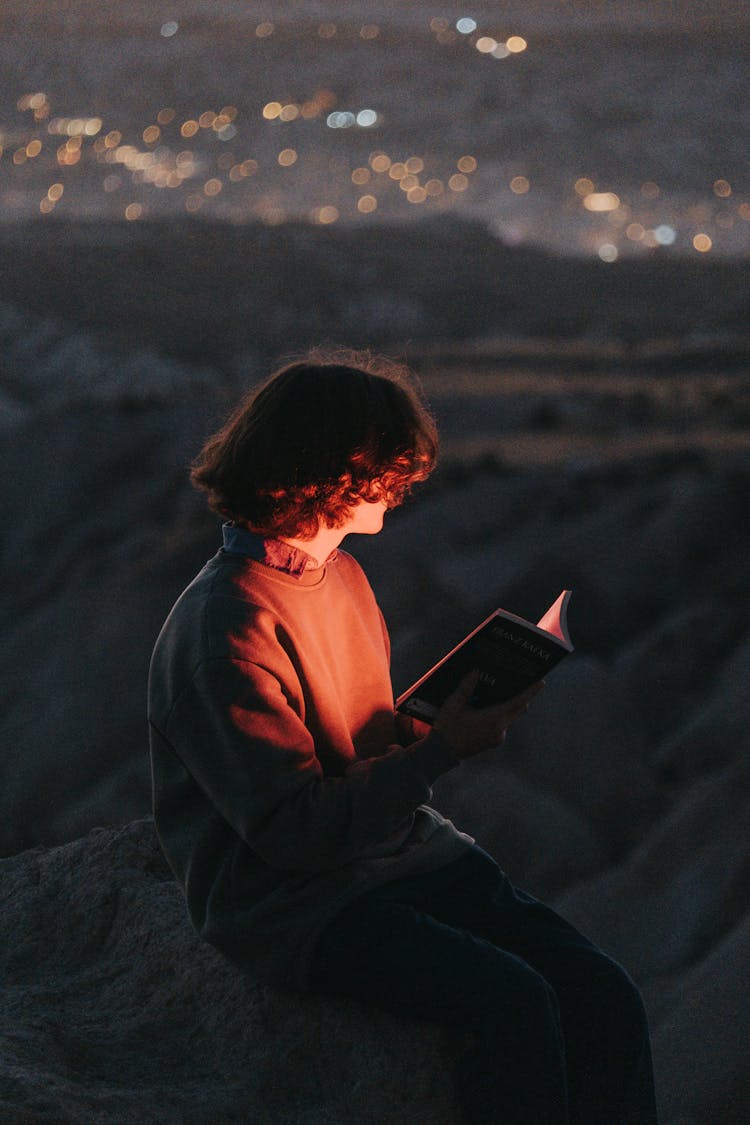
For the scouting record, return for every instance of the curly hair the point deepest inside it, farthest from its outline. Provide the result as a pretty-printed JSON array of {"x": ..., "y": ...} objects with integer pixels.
[{"x": 317, "y": 437}]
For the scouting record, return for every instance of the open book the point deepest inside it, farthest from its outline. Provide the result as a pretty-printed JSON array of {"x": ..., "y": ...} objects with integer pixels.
[{"x": 509, "y": 653}]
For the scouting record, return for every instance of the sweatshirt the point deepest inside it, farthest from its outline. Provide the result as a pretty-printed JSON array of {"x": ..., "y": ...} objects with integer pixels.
[{"x": 280, "y": 791}]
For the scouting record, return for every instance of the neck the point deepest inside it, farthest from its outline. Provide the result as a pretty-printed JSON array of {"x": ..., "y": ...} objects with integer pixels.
[{"x": 320, "y": 546}]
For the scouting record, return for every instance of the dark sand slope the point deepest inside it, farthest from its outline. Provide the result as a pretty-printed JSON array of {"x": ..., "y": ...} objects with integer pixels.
[{"x": 622, "y": 795}]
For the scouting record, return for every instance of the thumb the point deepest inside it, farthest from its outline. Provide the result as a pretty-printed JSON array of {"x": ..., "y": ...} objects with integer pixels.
[{"x": 463, "y": 693}]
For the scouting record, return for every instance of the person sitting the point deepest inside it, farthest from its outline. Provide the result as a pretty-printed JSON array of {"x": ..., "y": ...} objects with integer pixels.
[{"x": 293, "y": 803}]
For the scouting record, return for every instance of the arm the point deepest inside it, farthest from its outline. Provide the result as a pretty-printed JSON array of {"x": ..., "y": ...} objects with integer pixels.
[{"x": 252, "y": 755}]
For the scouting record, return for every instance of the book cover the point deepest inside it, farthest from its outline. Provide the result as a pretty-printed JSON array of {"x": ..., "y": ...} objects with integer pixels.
[{"x": 509, "y": 652}]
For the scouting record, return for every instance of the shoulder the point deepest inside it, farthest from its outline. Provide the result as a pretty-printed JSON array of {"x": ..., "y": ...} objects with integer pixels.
[
  {"x": 347, "y": 563},
  {"x": 346, "y": 568},
  {"x": 222, "y": 601}
]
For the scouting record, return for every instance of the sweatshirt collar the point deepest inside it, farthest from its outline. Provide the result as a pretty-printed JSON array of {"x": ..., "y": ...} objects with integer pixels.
[{"x": 269, "y": 551}]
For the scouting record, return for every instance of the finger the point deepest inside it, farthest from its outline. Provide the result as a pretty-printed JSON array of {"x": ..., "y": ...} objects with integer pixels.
[
  {"x": 529, "y": 693},
  {"x": 513, "y": 708},
  {"x": 465, "y": 690},
  {"x": 521, "y": 701}
]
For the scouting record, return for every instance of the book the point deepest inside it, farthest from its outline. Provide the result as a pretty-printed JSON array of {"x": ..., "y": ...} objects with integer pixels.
[{"x": 509, "y": 653}]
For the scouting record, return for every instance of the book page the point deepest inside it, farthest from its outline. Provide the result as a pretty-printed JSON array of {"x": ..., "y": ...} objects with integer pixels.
[{"x": 555, "y": 620}]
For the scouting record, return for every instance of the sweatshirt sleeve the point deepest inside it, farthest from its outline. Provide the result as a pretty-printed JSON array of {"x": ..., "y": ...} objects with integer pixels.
[{"x": 252, "y": 755}]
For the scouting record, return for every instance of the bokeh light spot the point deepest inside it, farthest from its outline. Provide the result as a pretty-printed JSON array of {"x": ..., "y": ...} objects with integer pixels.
[
  {"x": 380, "y": 162},
  {"x": 366, "y": 204},
  {"x": 601, "y": 201},
  {"x": 287, "y": 157},
  {"x": 133, "y": 211},
  {"x": 664, "y": 234},
  {"x": 702, "y": 243},
  {"x": 520, "y": 185},
  {"x": 341, "y": 119},
  {"x": 608, "y": 252}
]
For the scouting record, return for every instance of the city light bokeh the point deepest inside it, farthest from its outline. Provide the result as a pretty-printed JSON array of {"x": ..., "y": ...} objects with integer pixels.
[{"x": 301, "y": 136}]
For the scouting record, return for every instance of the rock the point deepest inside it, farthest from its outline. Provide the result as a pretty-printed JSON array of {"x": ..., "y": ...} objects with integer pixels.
[{"x": 112, "y": 1010}]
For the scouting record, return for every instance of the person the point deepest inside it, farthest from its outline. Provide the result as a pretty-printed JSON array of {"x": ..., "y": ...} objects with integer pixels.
[{"x": 292, "y": 802}]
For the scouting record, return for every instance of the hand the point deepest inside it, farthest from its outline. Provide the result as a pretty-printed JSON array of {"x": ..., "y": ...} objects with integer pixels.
[
  {"x": 410, "y": 729},
  {"x": 469, "y": 730}
]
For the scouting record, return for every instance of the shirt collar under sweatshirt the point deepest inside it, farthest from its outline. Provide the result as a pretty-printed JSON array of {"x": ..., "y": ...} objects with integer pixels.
[{"x": 271, "y": 552}]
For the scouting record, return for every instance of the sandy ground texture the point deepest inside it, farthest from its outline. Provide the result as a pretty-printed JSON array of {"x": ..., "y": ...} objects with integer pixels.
[{"x": 621, "y": 796}]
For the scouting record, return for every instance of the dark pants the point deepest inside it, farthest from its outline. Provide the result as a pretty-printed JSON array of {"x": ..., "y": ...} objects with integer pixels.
[{"x": 551, "y": 1030}]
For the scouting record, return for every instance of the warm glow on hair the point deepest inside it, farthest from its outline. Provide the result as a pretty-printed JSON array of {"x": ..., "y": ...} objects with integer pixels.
[{"x": 319, "y": 436}]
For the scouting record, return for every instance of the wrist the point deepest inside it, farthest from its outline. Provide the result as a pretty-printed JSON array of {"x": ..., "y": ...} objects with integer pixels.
[{"x": 434, "y": 755}]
